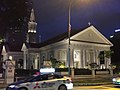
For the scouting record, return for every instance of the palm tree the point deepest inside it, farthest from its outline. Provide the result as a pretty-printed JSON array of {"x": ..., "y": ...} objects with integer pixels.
[{"x": 107, "y": 55}]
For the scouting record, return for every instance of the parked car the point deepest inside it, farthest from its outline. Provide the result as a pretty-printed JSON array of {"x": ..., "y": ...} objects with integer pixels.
[
  {"x": 116, "y": 81},
  {"x": 48, "y": 81}
]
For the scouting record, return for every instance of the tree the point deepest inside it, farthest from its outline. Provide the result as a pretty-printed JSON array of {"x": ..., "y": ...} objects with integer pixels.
[
  {"x": 108, "y": 54},
  {"x": 55, "y": 63}
]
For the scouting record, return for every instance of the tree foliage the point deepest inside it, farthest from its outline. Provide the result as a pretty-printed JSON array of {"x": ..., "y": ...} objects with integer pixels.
[
  {"x": 55, "y": 63},
  {"x": 106, "y": 54}
]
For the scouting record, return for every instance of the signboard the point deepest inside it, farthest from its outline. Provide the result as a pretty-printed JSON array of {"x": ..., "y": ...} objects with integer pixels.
[{"x": 10, "y": 66}]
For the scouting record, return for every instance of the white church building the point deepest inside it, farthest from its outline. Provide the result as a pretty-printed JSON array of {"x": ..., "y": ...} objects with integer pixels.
[{"x": 85, "y": 47}]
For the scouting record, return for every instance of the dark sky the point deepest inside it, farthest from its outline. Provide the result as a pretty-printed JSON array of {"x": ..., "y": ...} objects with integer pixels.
[{"x": 52, "y": 16}]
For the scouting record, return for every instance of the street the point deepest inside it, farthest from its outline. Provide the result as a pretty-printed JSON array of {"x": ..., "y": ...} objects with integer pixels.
[{"x": 101, "y": 87}]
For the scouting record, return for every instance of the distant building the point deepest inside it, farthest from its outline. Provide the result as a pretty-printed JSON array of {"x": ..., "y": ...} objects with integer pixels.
[
  {"x": 115, "y": 39},
  {"x": 13, "y": 50},
  {"x": 16, "y": 16}
]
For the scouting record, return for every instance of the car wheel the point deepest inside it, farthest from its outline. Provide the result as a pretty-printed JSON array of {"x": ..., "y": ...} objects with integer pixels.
[
  {"x": 23, "y": 88},
  {"x": 62, "y": 87}
]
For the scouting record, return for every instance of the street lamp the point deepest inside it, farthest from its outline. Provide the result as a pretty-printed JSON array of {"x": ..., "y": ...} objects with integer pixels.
[{"x": 69, "y": 31}]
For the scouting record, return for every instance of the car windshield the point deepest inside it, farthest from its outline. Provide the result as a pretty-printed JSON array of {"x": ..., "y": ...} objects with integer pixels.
[
  {"x": 29, "y": 78},
  {"x": 42, "y": 77}
]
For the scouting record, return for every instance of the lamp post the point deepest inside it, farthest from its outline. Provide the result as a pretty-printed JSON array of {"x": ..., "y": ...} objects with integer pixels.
[{"x": 69, "y": 31}]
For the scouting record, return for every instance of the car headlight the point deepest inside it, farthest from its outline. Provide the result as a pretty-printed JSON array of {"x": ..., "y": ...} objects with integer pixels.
[
  {"x": 13, "y": 86},
  {"x": 114, "y": 80}
]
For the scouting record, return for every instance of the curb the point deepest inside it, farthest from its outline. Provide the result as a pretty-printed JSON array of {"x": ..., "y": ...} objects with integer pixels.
[{"x": 91, "y": 84}]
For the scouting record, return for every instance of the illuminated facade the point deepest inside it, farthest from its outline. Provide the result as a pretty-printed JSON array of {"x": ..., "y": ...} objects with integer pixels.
[
  {"x": 10, "y": 52},
  {"x": 86, "y": 46}
]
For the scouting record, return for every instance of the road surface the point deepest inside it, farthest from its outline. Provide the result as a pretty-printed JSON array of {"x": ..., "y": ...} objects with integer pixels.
[{"x": 101, "y": 87}]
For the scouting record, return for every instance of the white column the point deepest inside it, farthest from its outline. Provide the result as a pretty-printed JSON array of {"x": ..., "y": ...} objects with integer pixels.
[
  {"x": 97, "y": 54},
  {"x": 5, "y": 57},
  {"x": 71, "y": 58},
  {"x": 79, "y": 62},
  {"x": 94, "y": 56},
  {"x": 36, "y": 61},
  {"x": 87, "y": 57},
  {"x": 109, "y": 61},
  {"x": 24, "y": 64},
  {"x": 56, "y": 53},
  {"x": 83, "y": 58},
  {"x": 95, "y": 51}
]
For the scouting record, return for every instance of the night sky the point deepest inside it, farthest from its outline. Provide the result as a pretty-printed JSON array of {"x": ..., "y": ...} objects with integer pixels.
[{"x": 52, "y": 16}]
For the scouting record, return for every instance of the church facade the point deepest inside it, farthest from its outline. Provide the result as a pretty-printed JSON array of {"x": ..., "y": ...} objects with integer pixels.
[{"x": 85, "y": 47}]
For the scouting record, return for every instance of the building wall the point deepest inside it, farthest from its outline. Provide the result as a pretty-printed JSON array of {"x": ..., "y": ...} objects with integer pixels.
[
  {"x": 81, "y": 55},
  {"x": 85, "y": 47}
]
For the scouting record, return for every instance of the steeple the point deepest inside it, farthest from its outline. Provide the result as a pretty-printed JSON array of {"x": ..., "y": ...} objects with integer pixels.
[
  {"x": 32, "y": 16},
  {"x": 31, "y": 35}
]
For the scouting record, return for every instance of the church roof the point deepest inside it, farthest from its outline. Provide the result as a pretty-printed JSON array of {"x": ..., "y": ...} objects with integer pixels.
[
  {"x": 101, "y": 39},
  {"x": 33, "y": 45},
  {"x": 11, "y": 47}
]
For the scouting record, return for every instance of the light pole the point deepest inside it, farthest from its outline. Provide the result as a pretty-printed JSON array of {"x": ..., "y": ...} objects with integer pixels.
[{"x": 69, "y": 31}]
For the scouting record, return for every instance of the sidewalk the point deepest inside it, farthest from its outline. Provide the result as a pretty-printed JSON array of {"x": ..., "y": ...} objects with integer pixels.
[{"x": 90, "y": 81}]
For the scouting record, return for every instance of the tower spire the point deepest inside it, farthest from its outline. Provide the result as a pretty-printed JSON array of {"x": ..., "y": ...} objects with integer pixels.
[
  {"x": 32, "y": 16},
  {"x": 31, "y": 35}
]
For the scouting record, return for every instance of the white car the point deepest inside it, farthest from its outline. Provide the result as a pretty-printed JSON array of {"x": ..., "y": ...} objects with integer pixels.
[
  {"x": 49, "y": 81},
  {"x": 116, "y": 81}
]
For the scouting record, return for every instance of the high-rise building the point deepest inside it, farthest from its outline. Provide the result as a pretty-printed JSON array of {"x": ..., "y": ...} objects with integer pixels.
[
  {"x": 115, "y": 39},
  {"x": 14, "y": 19}
]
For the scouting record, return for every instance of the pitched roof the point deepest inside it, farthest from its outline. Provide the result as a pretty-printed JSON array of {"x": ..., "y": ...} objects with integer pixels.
[
  {"x": 59, "y": 37},
  {"x": 11, "y": 47},
  {"x": 55, "y": 39},
  {"x": 33, "y": 45}
]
